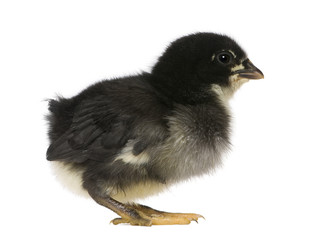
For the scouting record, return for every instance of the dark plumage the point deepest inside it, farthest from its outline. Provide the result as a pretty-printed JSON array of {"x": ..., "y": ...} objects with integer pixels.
[{"x": 126, "y": 138}]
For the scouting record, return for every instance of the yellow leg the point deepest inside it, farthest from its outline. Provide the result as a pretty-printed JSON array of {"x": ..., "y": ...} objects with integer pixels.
[
  {"x": 140, "y": 215},
  {"x": 155, "y": 217}
]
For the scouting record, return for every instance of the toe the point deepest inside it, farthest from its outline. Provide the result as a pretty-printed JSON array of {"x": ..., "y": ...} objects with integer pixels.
[
  {"x": 117, "y": 221},
  {"x": 134, "y": 222}
]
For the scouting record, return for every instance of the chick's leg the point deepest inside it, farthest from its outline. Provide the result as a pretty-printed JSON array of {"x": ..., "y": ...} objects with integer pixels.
[
  {"x": 136, "y": 214},
  {"x": 127, "y": 213},
  {"x": 165, "y": 218}
]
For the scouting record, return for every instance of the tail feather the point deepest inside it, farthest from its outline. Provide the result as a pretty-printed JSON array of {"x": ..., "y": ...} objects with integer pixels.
[
  {"x": 60, "y": 117},
  {"x": 53, "y": 105}
]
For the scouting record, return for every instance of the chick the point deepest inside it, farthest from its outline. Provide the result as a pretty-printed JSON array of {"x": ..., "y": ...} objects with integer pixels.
[{"x": 127, "y": 138}]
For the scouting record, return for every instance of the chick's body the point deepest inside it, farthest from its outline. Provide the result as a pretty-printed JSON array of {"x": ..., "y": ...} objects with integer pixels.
[
  {"x": 129, "y": 137},
  {"x": 135, "y": 137}
]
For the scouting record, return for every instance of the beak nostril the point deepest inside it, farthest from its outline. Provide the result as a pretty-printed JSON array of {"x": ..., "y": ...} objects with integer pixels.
[
  {"x": 249, "y": 64},
  {"x": 249, "y": 71}
]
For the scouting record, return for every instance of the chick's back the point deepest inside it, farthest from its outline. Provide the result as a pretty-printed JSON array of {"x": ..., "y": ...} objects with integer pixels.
[{"x": 97, "y": 123}]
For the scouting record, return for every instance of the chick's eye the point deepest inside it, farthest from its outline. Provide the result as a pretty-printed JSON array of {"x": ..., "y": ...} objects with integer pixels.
[{"x": 224, "y": 58}]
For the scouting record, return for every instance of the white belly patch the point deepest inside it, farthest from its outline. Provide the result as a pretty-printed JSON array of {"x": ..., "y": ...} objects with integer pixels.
[
  {"x": 72, "y": 180},
  {"x": 69, "y": 179}
]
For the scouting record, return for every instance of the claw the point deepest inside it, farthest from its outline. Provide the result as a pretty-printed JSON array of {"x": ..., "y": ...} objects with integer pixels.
[{"x": 200, "y": 216}]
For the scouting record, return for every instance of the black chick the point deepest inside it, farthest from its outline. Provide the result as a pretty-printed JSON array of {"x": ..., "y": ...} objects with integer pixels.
[{"x": 130, "y": 137}]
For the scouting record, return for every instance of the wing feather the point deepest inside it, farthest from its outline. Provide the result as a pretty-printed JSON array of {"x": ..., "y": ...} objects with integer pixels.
[{"x": 96, "y": 132}]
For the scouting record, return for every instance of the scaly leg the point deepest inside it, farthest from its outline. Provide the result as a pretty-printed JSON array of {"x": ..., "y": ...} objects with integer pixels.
[
  {"x": 160, "y": 217},
  {"x": 135, "y": 214}
]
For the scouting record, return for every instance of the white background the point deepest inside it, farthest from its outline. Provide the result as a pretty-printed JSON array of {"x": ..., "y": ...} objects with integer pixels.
[{"x": 265, "y": 189}]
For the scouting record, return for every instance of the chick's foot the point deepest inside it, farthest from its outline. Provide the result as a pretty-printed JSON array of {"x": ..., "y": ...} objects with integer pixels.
[{"x": 147, "y": 216}]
